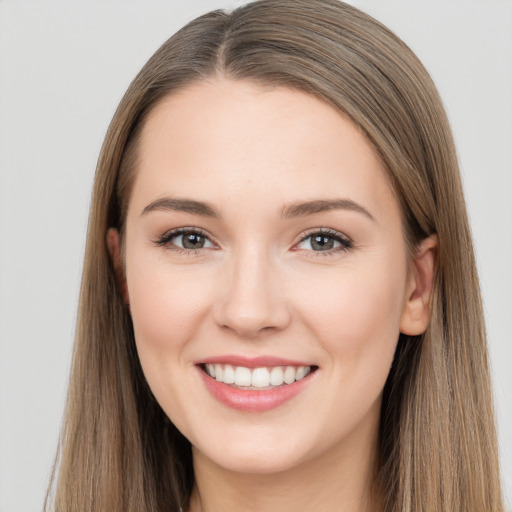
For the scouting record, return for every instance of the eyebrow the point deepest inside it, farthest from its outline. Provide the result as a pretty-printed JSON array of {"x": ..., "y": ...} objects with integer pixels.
[
  {"x": 299, "y": 209},
  {"x": 291, "y": 210},
  {"x": 181, "y": 205}
]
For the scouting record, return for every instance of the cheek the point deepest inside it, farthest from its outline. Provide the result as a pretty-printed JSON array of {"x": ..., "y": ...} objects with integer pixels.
[
  {"x": 167, "y": 305},
  {"x": 355, "y": 314}
]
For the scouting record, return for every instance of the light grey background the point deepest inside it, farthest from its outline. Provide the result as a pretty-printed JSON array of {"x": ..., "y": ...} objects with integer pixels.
[{"x": 63, "y": 68}]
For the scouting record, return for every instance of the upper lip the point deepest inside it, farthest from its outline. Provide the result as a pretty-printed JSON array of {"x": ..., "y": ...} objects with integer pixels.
[{"x": 251, "y": 362}]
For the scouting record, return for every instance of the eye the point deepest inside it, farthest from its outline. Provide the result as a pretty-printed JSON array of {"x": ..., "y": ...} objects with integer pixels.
[
  {"x": 185, "y": 239},
  {"x": 324, "y": 241}
]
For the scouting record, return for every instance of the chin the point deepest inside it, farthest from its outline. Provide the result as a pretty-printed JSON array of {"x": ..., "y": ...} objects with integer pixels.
[
  {"x": 255, "y": 463},
  {"x": 260, "y": 455}
]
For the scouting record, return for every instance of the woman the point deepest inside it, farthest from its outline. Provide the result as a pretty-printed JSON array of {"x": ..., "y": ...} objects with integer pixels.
[{"x": 279, "y": 304}]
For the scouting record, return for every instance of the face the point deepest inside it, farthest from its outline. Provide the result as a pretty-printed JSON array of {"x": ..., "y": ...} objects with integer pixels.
[{"x": 267, "y": 274}]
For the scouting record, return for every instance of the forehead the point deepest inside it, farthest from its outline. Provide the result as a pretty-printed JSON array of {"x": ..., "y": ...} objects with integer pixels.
[{"x": 235, "y": 142}]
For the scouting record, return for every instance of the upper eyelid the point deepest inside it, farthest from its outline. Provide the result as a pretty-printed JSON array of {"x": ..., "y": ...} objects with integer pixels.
[
  {"x": 186, "y": 229},
  {"x": 325, "y": 231}
]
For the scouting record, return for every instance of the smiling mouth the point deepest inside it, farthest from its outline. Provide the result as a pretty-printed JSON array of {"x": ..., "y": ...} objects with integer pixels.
[{"x": 262, "y": 378}]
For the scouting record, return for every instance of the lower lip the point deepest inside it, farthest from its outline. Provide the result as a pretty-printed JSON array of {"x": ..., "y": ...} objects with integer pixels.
[{"x": 250, "y": 400}]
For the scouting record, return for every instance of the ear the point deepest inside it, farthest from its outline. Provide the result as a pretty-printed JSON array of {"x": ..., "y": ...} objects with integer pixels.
[
  {"x": 114, "y": 249},
  {"x": 416, "y": 310}
]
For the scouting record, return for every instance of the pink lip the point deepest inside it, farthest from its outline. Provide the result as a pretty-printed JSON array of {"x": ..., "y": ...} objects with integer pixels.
[
  {"x": 249, "y": 400},
  {"x": 252, "y": 362}
]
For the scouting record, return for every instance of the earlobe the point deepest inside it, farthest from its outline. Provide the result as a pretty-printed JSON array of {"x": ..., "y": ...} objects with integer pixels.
[
  {"x": 416, "y": 310},
  {"x": 114, "y": 249}
]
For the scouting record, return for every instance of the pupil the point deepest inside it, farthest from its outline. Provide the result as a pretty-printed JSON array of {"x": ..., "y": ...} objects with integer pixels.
[
  {"x": 193, "y": 241},
  {"x": 322, "y": 243}
]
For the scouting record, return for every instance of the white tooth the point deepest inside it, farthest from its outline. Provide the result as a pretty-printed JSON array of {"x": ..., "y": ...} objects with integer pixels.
[
  {"x": 308, "y": 370},
  {"x": 300, "y": 373},
  {"x": 229, "y": 374},
  {"x": 260, "y": 378},
  {"x": 289, "y": 375},
  {"x": 218, "y": 372},
  {"x": 210, "y": 370},
  {"x": 276, "y": 376},
  {"x": 242, "y": 376}
]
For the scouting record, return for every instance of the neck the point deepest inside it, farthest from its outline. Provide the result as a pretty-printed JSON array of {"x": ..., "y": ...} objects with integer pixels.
[{"x": 339, "y": 480}]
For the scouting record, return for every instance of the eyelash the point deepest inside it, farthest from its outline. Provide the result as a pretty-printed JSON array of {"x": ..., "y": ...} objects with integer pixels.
[
  {"x": 167, "y": 237},
  {"x": 345, "y": 242}
]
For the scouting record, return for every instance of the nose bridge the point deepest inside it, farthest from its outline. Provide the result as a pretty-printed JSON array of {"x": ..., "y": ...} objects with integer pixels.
[{"x": 252, "y": 297}]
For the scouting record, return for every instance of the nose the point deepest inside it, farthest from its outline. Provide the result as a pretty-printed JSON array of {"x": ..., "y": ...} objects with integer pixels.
[{"x": 251, "y": 298}]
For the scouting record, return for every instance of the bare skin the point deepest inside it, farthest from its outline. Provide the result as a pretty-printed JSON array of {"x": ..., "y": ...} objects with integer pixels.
[
  {"x": 319, "y": 484},
  {"x": 220, "y": 263}
]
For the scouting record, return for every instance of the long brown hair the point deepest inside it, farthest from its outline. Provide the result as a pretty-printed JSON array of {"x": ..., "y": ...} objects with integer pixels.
[{"x": 437, "y": 444}]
